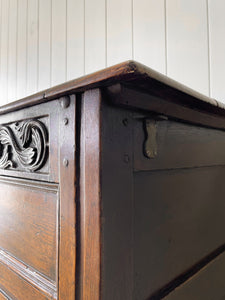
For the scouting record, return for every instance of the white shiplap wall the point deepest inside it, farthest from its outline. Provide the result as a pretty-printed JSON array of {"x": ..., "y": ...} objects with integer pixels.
[{"x": 46, "y": 42}]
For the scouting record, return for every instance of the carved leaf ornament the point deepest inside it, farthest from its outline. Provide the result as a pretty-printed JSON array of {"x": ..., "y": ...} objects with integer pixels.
[{"x": 26, "y": 146}]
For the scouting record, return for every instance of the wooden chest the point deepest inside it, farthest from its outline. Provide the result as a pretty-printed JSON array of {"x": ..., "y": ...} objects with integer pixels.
[{"x": 112, "y": 188}]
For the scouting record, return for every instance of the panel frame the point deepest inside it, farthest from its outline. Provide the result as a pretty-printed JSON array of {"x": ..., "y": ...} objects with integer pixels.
[
  {"x": 67, "y": 163},
  {"x": 62, "y": 158},
  {"x": 89, "y": 284}
]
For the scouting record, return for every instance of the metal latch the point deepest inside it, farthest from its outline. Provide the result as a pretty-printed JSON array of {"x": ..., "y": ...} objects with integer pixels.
[{"x": 150, "y": 143}]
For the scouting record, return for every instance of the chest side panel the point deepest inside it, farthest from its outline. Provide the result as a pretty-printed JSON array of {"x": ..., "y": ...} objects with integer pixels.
[{"x": 37, "y": 201}]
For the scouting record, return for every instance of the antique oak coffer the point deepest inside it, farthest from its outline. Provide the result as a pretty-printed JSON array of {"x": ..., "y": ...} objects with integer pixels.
[{"x": 112, "y": 188}]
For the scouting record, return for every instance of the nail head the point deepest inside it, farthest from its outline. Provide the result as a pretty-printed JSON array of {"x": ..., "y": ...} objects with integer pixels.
[
  {"x": 65, "y": 102},
  {"x": 65, "y": 162},
  {"x": 65, "y": 121}
]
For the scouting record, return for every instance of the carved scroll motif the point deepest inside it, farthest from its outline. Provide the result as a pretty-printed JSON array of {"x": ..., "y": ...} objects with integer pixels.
[{"x": 24, "y": 147}]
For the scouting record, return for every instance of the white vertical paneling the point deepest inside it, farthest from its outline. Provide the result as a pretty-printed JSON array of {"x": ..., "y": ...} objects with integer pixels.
[
  {"x": 12, "y": 51},
  {"x": 4, "y": 51},
  {"x": 58, "y": 71},
  {"x": 95, "y": 34},
  {"x": 32, "y": 46},
  {"x": 44, "y": 44},
  {"x": 0, "y": 51},
  {"x": 187, "y": 43},
  {"x": 149, "y": 33},
  {"x": 217, "y": 48},
  {"x": 75, "y": 38},
  {"x": 119, "y": 31},
  {"x": 22, "y": 49}
]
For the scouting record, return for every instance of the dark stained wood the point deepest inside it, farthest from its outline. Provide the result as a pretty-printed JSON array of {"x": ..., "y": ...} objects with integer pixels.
[
  {"x": 28, "y": 220},
  {"x": 99, "y": 219},
  {"x": 124, "y": 95},
  {"x": 178, "y": 221},
  {"x": 139, "y": 77},
  {"x": 117, "y": 204},
  {"x": 208, "y": 284},
  {"x": 90, "y": 205},
  {"x": 179, "y": 145}
]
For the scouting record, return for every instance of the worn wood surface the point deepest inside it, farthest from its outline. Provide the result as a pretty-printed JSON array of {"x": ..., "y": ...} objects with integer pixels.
[
  {"x": 179, "y": 145},
  {"x": 208, "y": 284},
  {"x": 139, "y": 77},
  {"x": 37, "y": 219},
  {"x": 90, "y": 205},
  {"x": 20, "y": 289},
  {"x": 98, "y": 219},
  {"x": 159, "y": 102},
  {"x": 48, "y": 115},
  {"x": 2, "y": 297},
  {"x": 28, "y": 221},
  {"x": 179, "y": 219},
  {"x": 117, "y": 204},
  {"x": 67, "y": 206}
]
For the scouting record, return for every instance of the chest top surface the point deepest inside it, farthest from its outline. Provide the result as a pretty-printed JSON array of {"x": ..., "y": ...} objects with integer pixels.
[{"x": 139, "y": 78}]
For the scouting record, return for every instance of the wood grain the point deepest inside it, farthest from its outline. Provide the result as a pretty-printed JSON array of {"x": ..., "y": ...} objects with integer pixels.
[
  {"x": 179, "y": 145},
  {"x": 179, "y": 220},
  {"x": 207, "y": 284},
  {"x": 48, "y": 114},
  {"x": 3, "y": 297},
  {"x": 28, "y": 274},
  {"x": 98, "y": 221},
  {"x": 28, "y": 221},
  {"x": 159, "y": 102},
  {"x": 20, "y": 289},
  {"x": 67, "y": 206},
  {"x": 140, "y": 77},
  {"x": 117, "y": 238},
  {"x": 90, "y": 206}
]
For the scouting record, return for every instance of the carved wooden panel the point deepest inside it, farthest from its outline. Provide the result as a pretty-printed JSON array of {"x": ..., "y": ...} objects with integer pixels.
[
  {"x": 23, "y": 145},
  {"x": 29, "y": 142},
  {"x": 37, "y": 211}
]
